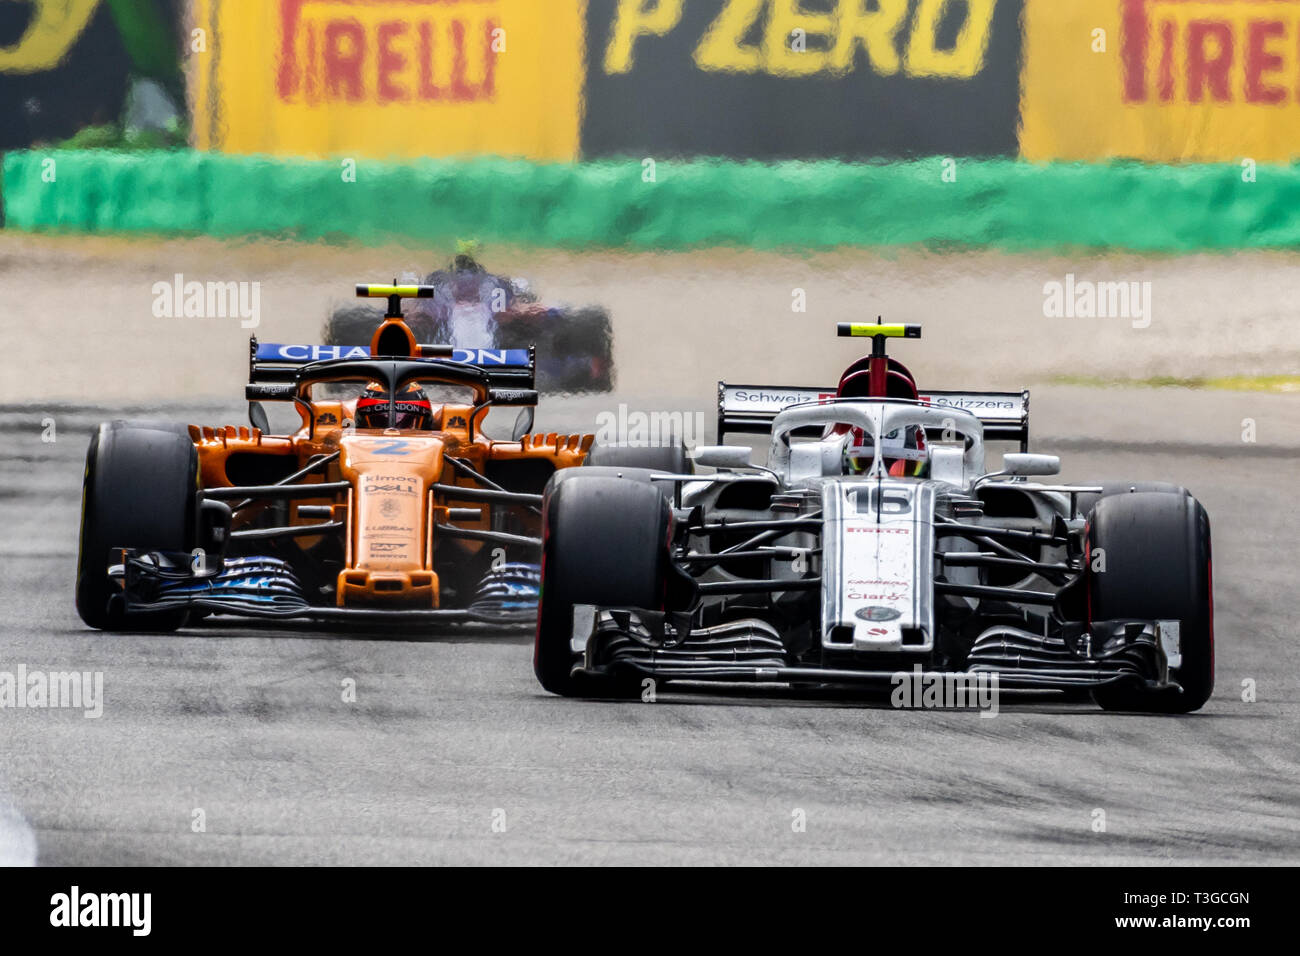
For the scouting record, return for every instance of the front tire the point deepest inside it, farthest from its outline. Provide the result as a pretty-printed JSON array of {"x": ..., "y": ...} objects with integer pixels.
[
  {"x": 1109, "y": 489},
  {"x": 671, "y": 458},
  {"x": 139, "y": 492},
  {"x": 1157, "y": 567},
  {"x": 605, "y": 543}
]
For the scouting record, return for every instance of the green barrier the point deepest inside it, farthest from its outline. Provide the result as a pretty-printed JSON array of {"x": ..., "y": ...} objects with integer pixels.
[{"x": 1003, "y": 203}]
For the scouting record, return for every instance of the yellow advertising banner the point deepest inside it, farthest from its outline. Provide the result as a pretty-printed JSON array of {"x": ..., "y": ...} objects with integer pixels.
[
  {"x": 1161, "y": 80},
  {"x": 53, "y": 28},
  {"x": 388, "y": 78}
]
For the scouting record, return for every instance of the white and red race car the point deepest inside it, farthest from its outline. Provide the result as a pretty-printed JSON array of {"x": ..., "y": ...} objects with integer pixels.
[{"x": 874, "y": 542}]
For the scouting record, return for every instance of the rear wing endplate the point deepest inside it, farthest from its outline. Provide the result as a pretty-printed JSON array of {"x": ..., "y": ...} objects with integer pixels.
[{"x": 750, "y": 409}]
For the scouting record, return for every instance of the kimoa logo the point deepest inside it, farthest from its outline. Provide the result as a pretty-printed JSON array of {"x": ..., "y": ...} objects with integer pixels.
[
  {"x": 131, "y": 910},
  {"x": 896, "y": 36}
]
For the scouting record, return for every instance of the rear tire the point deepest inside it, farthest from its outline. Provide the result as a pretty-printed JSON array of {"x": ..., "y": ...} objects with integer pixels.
[
  {"x": 139, "y": 492},
  {"x": 1157, "y": 566},
  {"x": 605, "y": 542}
]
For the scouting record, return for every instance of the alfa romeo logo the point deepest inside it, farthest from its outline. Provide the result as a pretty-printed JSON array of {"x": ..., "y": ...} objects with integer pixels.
[{"x": 878, "y": 613}]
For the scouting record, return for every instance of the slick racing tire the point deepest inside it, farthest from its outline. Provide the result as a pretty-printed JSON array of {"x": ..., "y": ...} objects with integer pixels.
[
  {"x": 605, "y": 543},
  {"x": 139, "y": 492},
  {"x": 672, "y": 458},
  {"x": 1157, "y": 567}
]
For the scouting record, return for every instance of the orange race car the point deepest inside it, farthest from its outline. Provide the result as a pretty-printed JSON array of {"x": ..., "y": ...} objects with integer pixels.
[{"x": 388, "y": 503}]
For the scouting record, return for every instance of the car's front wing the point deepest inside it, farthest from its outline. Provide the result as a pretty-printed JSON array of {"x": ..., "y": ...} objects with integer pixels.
[
  {"x": 266, "y": 588},
  {"x": 631, "y": 643}
]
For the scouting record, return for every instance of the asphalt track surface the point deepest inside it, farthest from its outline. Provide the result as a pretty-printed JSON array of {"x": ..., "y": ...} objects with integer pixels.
[
  {"x": 450, "y": 734},
  {"x": 451, "y": 752}
]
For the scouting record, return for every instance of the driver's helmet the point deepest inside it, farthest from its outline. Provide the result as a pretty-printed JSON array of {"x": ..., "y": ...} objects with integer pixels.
[
  {"x": 466, "y": 259},
  {"x": 903, "y": 448},
  {"x": 413, "y": 409}
]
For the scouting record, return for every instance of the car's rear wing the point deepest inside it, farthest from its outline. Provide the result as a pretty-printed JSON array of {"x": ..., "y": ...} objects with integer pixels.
[
  {"x": 751, "y": 408},
  {"x": 272, "y": 362}
]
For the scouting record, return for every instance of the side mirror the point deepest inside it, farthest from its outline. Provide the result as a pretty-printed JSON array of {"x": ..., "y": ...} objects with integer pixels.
[
  {"x": 1027, "y": 465},
  {"x": 259, "y": 392},
  {"x": 513, "y": 396},
  {"x": 523, "y": 424},
  {"x": 723, "y": 456},
  {"x": 257, "y": 418}
]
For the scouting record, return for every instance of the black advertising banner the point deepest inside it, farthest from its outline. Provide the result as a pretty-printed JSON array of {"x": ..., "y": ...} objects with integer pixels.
[
  {"x": 793, "y": 79},
  {"x": 62, "y": 67}
]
